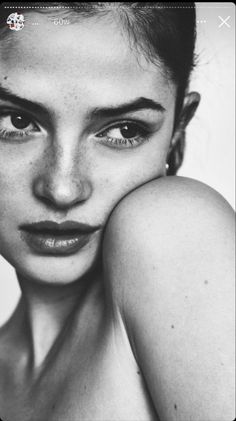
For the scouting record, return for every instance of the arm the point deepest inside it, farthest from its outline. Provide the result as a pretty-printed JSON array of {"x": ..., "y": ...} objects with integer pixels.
[{"x": 171, "y": 245}]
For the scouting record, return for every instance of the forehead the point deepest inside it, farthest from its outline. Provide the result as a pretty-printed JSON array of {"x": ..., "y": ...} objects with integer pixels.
[{"x": 91, "y": 57}]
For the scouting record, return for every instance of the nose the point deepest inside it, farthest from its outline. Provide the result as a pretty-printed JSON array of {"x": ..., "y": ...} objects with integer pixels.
[{"x": 62, "y": 181}]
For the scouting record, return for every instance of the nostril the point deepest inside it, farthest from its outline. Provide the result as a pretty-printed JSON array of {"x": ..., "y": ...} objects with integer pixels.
[{"x": 61, "y": 192}]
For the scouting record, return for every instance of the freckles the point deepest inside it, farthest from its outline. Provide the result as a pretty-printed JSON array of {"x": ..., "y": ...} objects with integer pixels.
[{"x": 106, "y": 181}]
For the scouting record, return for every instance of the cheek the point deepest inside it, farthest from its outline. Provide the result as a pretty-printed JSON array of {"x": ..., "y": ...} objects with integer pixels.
[
  {"x": 118, "y": 173},
  {"x": 128, "y": 169},
  {"x": 18, "y": 163},
  {"x": 14, "y": 178}
]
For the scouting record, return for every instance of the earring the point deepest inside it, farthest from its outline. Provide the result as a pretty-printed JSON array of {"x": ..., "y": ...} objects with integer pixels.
[{"x": 167, "y": 167}]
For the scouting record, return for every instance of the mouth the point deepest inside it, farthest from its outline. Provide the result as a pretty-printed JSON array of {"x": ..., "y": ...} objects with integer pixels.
[{"x": 48, "y": 237}]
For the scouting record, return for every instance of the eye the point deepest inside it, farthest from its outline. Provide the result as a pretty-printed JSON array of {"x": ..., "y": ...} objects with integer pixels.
[
  {"x": 14, "y": 124},
  {"x": 124, "y": 135},
  {"x": 127, "y": 131},
  {"x": 20, "y": 121}
]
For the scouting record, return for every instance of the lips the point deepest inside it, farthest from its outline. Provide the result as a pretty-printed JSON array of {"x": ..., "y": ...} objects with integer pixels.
[{"x": 48, "y": 237}]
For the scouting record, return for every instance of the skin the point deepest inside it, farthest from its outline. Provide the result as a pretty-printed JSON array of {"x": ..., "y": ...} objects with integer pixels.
[
  {"x": 67, "y": 351},
  {"x": 182, "y": 331}
]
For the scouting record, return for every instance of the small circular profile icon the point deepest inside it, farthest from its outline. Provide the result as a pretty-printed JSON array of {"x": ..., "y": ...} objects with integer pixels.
[{"x": 15, "y": 21}]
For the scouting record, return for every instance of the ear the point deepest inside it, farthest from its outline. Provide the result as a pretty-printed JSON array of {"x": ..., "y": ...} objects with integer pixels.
[
  {"x": 190, "y": 105},
  {"x": 177, "y": 145}
]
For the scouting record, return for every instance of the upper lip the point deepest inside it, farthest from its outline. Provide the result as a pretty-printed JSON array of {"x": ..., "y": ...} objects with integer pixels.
[{"x": 63, "y": 228}]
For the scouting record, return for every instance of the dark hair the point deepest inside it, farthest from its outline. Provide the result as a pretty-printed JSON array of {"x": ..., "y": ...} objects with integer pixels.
[{"x": 165, "y": 32}]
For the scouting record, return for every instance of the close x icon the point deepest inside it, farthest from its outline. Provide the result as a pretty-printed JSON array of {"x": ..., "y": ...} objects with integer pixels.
[{"x": 224, "y": 22}]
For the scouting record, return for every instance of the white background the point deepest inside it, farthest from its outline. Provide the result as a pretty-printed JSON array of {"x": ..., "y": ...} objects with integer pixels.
[{"x": 210, "y": 153}]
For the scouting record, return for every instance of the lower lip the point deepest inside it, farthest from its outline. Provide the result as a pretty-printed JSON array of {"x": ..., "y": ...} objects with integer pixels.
[{"x": 56, "y": 245}]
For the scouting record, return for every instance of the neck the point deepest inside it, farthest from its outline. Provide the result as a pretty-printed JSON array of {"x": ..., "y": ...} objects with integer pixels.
[{"x": 46, "y": 309}]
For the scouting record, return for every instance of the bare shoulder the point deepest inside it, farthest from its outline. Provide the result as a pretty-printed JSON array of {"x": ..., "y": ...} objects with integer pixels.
[
  {"x": 174, "y": 198},
  {"x": 172, "y": 219},
  {"x": 169, "y": 263}
]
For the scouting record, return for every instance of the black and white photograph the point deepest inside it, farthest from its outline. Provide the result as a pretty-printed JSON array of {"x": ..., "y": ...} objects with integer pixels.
[{"x": 117, "y": 211}]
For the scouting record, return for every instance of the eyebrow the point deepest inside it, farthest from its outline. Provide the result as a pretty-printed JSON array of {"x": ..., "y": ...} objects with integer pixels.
[
  {"x": 97, "y": 112},
  {"x": 34, "y": 107},
  {"x": 135, "y": 105}
]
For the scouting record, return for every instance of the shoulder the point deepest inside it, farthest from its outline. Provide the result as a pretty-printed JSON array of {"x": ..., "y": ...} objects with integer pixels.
[
  {"x": 176, "y": 207},
  {"x": 169, "y": 265},
  {"x": 170, "y": 220},
  {"x": 171, "y": 199}
]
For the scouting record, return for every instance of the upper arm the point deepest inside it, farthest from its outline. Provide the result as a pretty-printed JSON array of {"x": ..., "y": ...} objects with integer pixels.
[{"x": 169, "y": 262}]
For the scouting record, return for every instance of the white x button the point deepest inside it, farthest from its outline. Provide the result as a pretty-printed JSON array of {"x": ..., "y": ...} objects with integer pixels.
[{"x": 224, "y": 21}]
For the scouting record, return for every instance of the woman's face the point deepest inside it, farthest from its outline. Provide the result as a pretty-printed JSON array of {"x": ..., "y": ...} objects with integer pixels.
[{"x": 86, "y": 121}]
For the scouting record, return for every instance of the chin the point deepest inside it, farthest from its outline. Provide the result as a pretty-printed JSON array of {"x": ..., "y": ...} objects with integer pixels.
[{"x": 62, "y": 270}]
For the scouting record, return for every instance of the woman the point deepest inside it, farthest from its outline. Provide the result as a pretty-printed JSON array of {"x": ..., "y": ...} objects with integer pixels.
[{"x": 126, "y": 274}]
